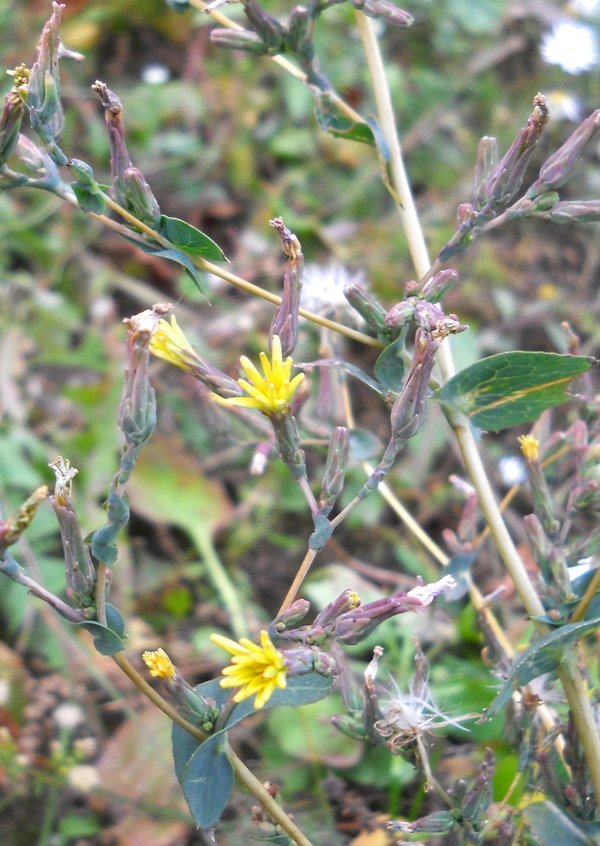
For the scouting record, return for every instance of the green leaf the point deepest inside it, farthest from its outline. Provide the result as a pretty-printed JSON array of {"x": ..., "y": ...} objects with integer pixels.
[
  {"x": 186, "y": 237},
  {"x": 171, "y": 255},
  {"x": 203, "y": 770},
  {"x": 510, "y": 388},
  {"x": 108, "y": 639},
  {"x": 332, "y": 119},
  {"x": 389, "y": 367},
  {"x": 345, "y": 367},
  {"x": 549, "y": 825},
  {"x": 544, "y": 656},
  {"x": 89, "y": 201},
  {"x": 363, "y": 444}
]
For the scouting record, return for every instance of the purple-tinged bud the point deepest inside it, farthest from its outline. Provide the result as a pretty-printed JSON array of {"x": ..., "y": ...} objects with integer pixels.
[
  {"x": 438, "y": 822},
  {"x": 138, "y": 197},
  {"x": 10, "y": 124},
  {"x": 355, "y": 625},
  {"x": 43, "y": 88},
  {"x": 487, "y": 156},
  {"x": 401, "y": 313},
  {"x": 335, "y": 468},
  {"x": 346, "y": 601},
  {"x": 269, "y": 29},
  {"x": 300, "y": 660},
  {"x": 583, "y": 211},
  {"x": 137, "y": 411},
  {"x": 439, "y": 285},
  {"x": 238, "y": 39},
  {"x": 79, "y": 569},
  {"x": 408, "y": 411},
  {"x": 506, "y": 178},
  {"x": 466, "y": 216},
  {"x": 384, "y": 10},
  {"x": 285, "y": 322},
  {"x": 13, "y": 527},
  {"x": 372, "y": 312},
  {"x": 129, "y": 187},
  {"x": 292, "y": 615},
  {"x": 585, "y": 496},
  {"x": 549, "y": 558},
  {"x": 300, "y": 31},
  {"x": 558, "y": 168}
]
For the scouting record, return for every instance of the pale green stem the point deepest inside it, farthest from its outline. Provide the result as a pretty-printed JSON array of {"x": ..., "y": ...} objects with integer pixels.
[
  {"x": 570, "y": 676},
  {"x": 221, "y": 581},
  {"x": 242, "y": 772}
]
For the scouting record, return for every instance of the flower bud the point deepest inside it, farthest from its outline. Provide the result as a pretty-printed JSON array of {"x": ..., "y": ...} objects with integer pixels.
[
  {"x": 582, "y": 211},
  {"x": 438, "y": 822},
  {"x": 292, "y": 615},
  {"x": 558, "y": 168},
  {"x": 408, "y": 411},
  {"x": 384, "y": 10},
  {"x": 505, "y": 179},
  {"x": 346, "y": 601},
  {"x": 401, "y": 313},
  {"x": 235, "y": 39},
  {"x": 271, "y": 32},
  {"x": 288, "y": 444},
  {"x": 372, "y": 312},
  {"x": 285, "y": 322},
  {"x": 10, "y": 124},
  {"x": 43, "y": 88},
  {"x": 439, "y": 285},
  {"x": 335, "y": 468},
  {"x": 300, "y": 31},
  {"x": 137, "y": 195},
  {"x": 487, "y": 156}
]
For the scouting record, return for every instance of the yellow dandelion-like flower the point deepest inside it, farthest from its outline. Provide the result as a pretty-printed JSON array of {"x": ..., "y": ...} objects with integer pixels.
[
  {"x": 254, "y": 669},
  {"x": 159, "y": 664},
  {"x": 169, "y": 342},
  {"x": 529, "y": 447},
  {"x": 270, "y": 391}
]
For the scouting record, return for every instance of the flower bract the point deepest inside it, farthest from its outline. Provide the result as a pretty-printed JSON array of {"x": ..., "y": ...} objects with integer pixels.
[
  {"x": 270, "y": 391},
  {"x": 159, "y": 664},
  {"x": 254, "y": 669}
]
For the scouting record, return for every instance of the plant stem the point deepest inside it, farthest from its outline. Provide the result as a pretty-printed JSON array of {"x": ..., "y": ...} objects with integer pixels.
[
  {"x": 219, "y": 271},
  {"x": 303, "y": 569},
  {"x": 221, "y": 580},
  {"x": 570, "y": 676},
  {"x": 101, "y": 593}
]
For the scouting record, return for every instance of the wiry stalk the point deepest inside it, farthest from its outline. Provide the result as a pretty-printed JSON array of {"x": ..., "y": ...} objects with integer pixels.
[{"x": 570, "y": 676}]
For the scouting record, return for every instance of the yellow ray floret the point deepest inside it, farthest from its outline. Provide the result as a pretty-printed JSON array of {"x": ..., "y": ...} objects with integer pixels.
[
  {"x": 254, "y": 669},
  {"x": 529, "y": 447},
  {"x": 169, "y": 342},
  {"x": 270, "y": 391},
  {"x": 159, "y": 664}
]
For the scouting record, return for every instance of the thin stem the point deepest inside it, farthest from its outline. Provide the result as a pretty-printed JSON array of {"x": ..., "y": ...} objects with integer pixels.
[
  {"x": 581, "y": 712},
  {"x": 271, "y": 806},
  {"x": 308, "y": 494},
  {"x": 219, "y": 271},
  {"x": 221, "y": 580},
  {"x": 101, "y": 593},
  {"x": 587, "y": 597},
  {"x": 578, "y": 697},
  {"x": 242, "y": 772},
  {"x": 303, "y": 569},
  {"x": 284, "y": 63}
]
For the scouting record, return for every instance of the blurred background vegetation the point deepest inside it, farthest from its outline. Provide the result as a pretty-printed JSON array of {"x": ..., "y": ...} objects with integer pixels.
[{"x": 229, "y": 141}]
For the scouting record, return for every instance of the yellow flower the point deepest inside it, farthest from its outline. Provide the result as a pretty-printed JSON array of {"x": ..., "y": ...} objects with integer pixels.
[
  {"x": 159, "y": 664},
  {"x": 529, "y": 447},
  {"x": 169, "y": 342},
  {"x": 254, "y": 669},
  {"x": 270, "y": 391}
]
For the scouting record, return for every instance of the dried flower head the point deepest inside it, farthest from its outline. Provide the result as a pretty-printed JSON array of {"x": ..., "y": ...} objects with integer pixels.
[
  {"x": 270, "y": 391},
  {"x": 159, "y": 664},
  {"x": 254, "y": 669},
  {"x": 64, "y": 478}
]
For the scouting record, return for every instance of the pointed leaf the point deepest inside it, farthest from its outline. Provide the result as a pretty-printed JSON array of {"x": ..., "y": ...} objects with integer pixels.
[
  {"x": 549, "y": 825},
  {"x": 510, "y": 388},
  {"x": 332, "y": 119},
  {"x": 171, "y": 255},
  {"x": 389, "y": 367},
  {"x": 186, "y": 237},
  {"x": 544, "y": 656},
  {"x": 345, "y": 367},
  {"x": 108, "y": 639}
]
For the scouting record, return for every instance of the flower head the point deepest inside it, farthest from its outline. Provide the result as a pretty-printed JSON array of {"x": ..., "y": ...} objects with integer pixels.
[
  {"x": 572, "y": 45},
  {"x": 254, "y": 669},
  {"x": 169, "y": 342},
  {"x": 270, "y": 391},
  {"x": 529, "y": 447},
  {"x": 159, "y": 664}
]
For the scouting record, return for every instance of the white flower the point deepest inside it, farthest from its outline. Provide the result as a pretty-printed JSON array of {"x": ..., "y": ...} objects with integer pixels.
[
  {"x": 68, "y": 715},
  {"x": 323, "y": 289},
  {"x": 512, "y": 470},
  {"x": 83, "y": 777},
  {"x": 571, "y": 45}
]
